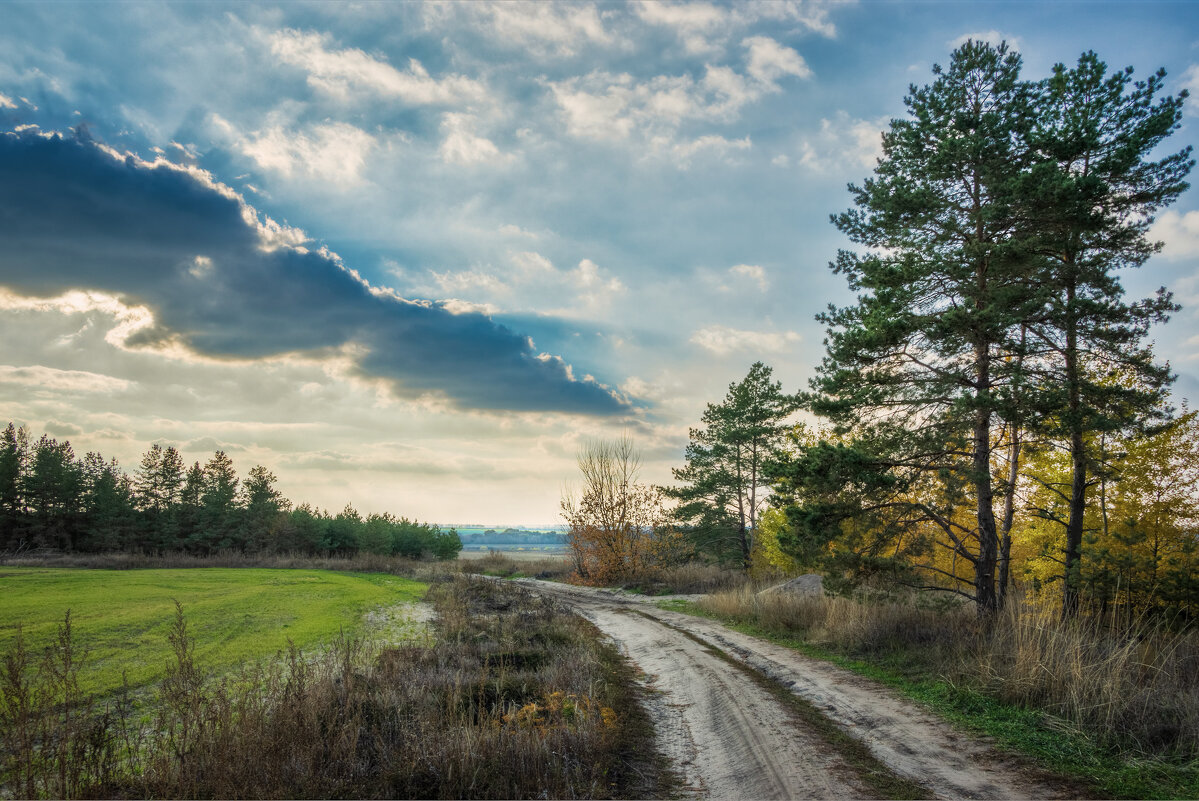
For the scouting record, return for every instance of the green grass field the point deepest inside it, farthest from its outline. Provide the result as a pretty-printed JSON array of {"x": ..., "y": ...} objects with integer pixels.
[{"x": 121, "y": 616}]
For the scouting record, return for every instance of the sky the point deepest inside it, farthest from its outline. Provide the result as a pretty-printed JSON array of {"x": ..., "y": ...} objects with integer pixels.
[{"x": 413, "y": 256}]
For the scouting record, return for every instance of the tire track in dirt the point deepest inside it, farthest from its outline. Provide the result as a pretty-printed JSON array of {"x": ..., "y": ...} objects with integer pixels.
[{"x": 731, "y": 739}]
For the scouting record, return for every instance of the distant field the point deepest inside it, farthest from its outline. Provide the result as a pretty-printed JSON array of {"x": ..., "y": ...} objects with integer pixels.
[
  {"x": 235, "y": 615},
  {"x": 523, "y": 553}
]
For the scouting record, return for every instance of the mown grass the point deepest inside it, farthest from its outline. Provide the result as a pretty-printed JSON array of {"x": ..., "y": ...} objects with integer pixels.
[
  {"x": 121, "y": 617},
  {"x": 1038, "y": 688}
]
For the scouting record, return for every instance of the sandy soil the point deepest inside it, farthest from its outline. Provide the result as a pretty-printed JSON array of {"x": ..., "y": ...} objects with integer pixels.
[{"x": 731, "y": 739}]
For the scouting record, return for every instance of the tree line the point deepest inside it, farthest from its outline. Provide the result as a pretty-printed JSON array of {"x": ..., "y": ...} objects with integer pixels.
[
  {"x": 51, "y": 499},
  {"x": 989, "y": 411}
]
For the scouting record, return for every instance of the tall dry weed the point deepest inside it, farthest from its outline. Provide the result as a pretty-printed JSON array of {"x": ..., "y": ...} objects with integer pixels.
[{"x": 1137, "y": 684}]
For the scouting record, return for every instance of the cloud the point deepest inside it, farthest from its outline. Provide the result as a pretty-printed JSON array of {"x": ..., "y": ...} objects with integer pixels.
[
  {"x": 6, "y": 102},
  {"x": 682, "y": 152},
  {"x": 545, "y": 28},
  {"x": 769, "y": 60},
  {"x": 351, "y": 73},
  {"x": 843, "y": 141},
  {"x": 752, "y": 272},
  {"x": 531, "y": 276},
  {"x": 332, "y": 152},
  {"x": 1190, "y": 82},
  {"x": 606, "y": 106},
  {"x": 703, "y": 28},
  {"x": 461, "y": 145},
  {"x": 50, "y": 378},
  {"x": 81, "y": 216},
  {"x": 1179, "y": 234},
  {"x": 723, "y": 340}
]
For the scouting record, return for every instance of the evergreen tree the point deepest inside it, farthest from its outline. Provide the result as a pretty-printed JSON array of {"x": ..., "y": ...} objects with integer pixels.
[
  {"x": 724, "y": 479},
  {"x": 14, "y": 459},
  {"x": 1090, "y": 201},
  {"x": 218, "y": 523},
  {"x": 916, "y": 368},
  {"x": 54, "y": 492},
  {"x": 263, "y": 506}
]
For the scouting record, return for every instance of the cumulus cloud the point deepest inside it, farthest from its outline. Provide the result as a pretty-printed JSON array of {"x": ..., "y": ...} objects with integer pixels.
[
  {"x": 530, "y": 275},
  {"x": 333, "y": 152},
  {"x": 62, "y": 380},
  {"x": 723, "y": 340},
  {"x": 462, "y": 145},
  {"x": 753, "y": 272},
  {"x": 1190, "y": 82},
  {"x": 769, "y": 60},
  {"x": 81, "y": 216},
  {"x": 6, "y": 102},
  {"x": 1179, "y": 234},
  {"x": 682, "y": 152},
  {"x": 350, "y": 73},
  {"x": 703, "y": 28},
  {"x": 843, "y": 142},
  {"x": 606, "y": 106},
  {"x": 545, "y": 28}
]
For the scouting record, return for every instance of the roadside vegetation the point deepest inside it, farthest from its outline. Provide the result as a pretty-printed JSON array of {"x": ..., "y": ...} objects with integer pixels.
[
  {"x": 510, "y": 696},
  {"x": 1118, "y": 713}
]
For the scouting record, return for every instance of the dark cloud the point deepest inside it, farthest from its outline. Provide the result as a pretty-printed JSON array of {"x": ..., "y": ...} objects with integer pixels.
[{"x": 74, "y": 216}]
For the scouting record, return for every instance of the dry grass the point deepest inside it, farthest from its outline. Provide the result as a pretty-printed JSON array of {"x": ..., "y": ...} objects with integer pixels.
[
  {"x": 514, "y": 698},
  {"x": 498, "y": 563},
  {"x": 1139, "y": 686},
  {"x": 689, "y": 578}
]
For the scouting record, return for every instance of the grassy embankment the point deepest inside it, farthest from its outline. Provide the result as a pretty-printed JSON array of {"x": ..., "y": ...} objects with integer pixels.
[
  {"x": 511, "y": 696},
  {"x": 1116, "y": 711},
  {"x": 121, "y": 618}
]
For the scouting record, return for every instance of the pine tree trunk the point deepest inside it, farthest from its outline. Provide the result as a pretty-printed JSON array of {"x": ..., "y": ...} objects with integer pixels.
[
  {"x": 1078, "y": 462},
  {"x": 1009, "y": 514},
  {"x": 988, "y": 546}
]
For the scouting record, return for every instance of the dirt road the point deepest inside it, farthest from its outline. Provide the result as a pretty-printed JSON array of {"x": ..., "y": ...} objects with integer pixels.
[{"x": 732, "y": 737}]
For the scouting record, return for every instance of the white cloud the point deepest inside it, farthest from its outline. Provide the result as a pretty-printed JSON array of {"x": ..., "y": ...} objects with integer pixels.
[
  {"x": 591, "y": 114},
  {"x": 844, "y": 143},
  {"x": 1190, "y": 82},
  {"x": 335, "y": 152},
  {"x": 50, "y": 378},
  {"x": 723, "y": 340},
  {"x": 344, "y": 74},
  {"x": 769, "y": 60},
  {"x": 606, "y": 106},
  {"x": 516, "y": 230},
  {"x": 753, "y": 272},
  {"x": 545, "y": 28},
  {"x": 6, "y": 102},
  {"x": 700, "y": 26},
  {"x": 1179, "y": 233},
  {"x": 711, "y": 144},
  {"x": 462, "y": 145},
  {"x": 704, "y": 28},
  {"x": 991, "y": 37}
]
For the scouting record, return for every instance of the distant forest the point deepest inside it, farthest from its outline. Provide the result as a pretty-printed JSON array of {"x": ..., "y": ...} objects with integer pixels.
[
  {"x": 51, "y": 499},
  {"x": 512, "y": 536}
]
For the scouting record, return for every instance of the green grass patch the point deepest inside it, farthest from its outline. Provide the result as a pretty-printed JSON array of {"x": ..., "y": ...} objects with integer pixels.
[
  {"x": 1049, "y": 742},
  {"x": 121, "y": 617}
]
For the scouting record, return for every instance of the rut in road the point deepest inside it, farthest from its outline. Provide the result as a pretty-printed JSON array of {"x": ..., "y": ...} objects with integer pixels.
[{"x": 732, "y": 739}]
